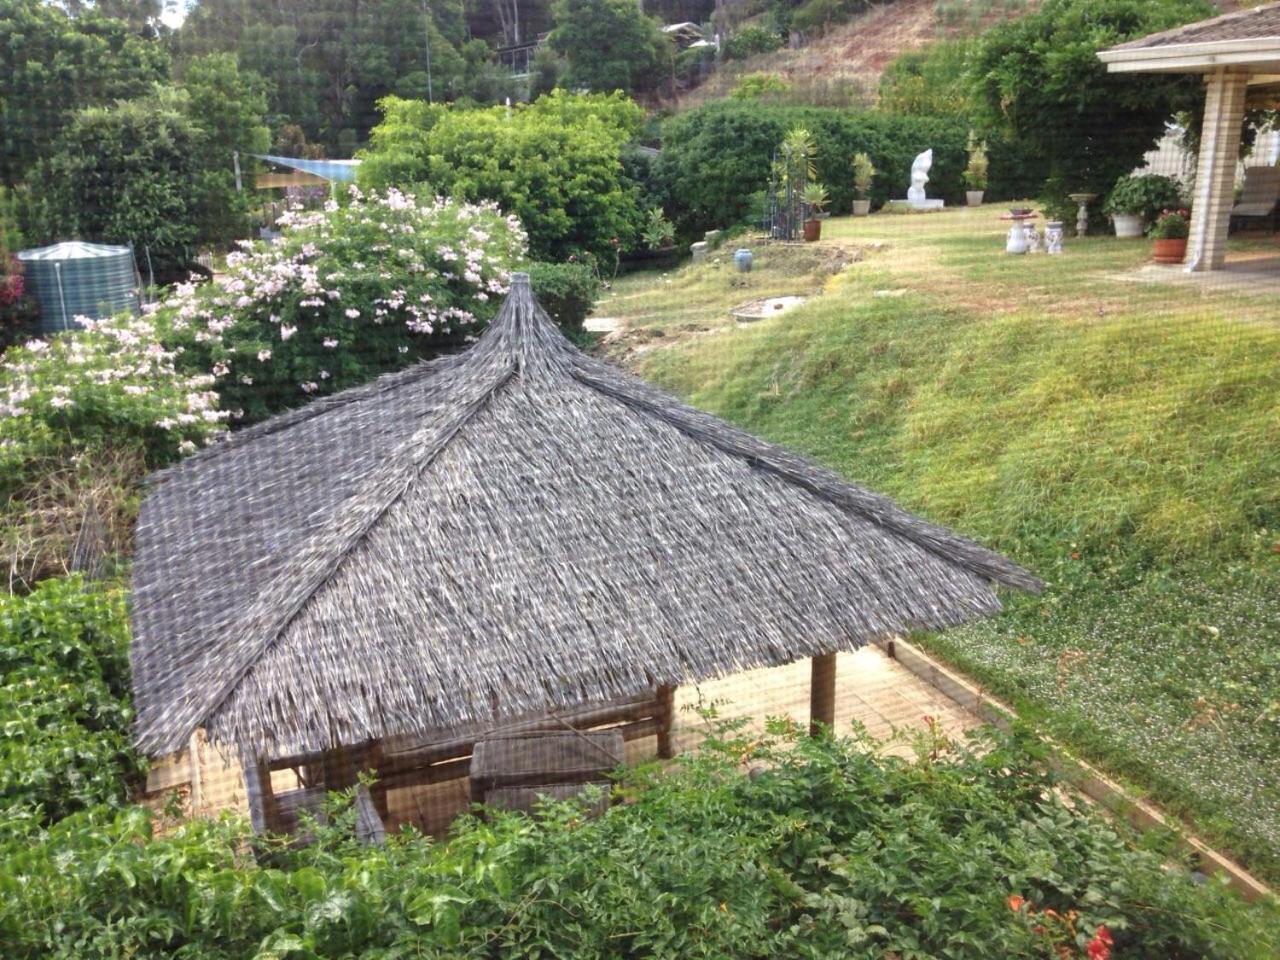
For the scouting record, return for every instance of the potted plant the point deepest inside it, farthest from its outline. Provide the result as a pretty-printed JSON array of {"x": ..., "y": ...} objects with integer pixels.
[
  {"x": 864, "y": 172},
  {"x": 975, "y": 176},
  {"x": 815, "y": 200},
  {"x": 1169, "y": 236},
  {"x": 659, "y": 233},
  {"x": 1135, "y": 201}
]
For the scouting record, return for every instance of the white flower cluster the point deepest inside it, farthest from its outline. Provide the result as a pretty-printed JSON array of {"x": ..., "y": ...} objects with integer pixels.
[
  {"x": 382, "y": 259},
  {"x": 104, "y": 360}
]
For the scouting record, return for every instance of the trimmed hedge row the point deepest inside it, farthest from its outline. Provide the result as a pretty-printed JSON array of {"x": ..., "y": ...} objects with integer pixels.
[{"x": 715, "y": 159}]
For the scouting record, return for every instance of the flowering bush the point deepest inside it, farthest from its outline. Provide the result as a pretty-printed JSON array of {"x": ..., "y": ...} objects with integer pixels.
[
  {"x": 83, "y": 415},
  {"x": 112, "y": 383},
  {"x": 350, "y": 291},
  {"x": 11, "y": 283},
  {"x": 1172, "y": 225}
]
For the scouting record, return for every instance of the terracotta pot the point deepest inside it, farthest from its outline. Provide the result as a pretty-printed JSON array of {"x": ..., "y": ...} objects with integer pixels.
[
  {"x": 1169, "y": 250},
  {"x": 974, "y": 197},
  {"x": 861, "y": 208},
  {"x": 812, "y": 230}
]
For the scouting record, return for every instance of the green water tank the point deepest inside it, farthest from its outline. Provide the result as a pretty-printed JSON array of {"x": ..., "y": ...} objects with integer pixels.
[{"x": 80, "y": 279}]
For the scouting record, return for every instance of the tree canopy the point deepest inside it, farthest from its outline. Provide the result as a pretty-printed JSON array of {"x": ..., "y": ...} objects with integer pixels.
[
  {"x": 554, "y": 163},
  {"x": 123, "y": 174},
  {"x": 55, "y": 65},
  {"x": 1038, "y": 79},
  {"x": 610, "y": 45}
]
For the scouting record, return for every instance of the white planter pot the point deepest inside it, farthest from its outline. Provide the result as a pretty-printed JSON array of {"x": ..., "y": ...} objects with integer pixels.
[
  {"x": 861, "y": 208},
  {"x": 974, "y": 197},
  {"x": 1129, "y": 225}
]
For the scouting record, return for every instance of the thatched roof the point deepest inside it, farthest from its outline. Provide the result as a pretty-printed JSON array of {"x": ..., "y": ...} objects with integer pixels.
[{"x": 509, "y": 530}]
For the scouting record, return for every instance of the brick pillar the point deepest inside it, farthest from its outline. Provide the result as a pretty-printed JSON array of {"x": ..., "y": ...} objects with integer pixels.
[{"x": 1216, "y": 169}]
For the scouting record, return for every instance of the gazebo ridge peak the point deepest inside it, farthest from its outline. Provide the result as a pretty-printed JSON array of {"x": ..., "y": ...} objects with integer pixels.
[{"x": 523, "y": 334}]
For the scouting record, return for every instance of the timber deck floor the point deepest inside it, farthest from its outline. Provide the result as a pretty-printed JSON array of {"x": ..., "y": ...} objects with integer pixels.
[{"x": 871, "y": 688}]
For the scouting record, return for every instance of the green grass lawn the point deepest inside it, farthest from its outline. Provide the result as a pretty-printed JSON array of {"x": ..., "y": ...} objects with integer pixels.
[{"x": 1120, "y": 439}]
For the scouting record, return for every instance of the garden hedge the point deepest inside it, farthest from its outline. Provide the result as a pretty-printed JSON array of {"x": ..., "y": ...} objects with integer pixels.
[{"x": 716, "y": 157}]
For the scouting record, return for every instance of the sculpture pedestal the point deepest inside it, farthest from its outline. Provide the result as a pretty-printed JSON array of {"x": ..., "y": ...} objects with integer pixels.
[{"x": 921, "y": 206}]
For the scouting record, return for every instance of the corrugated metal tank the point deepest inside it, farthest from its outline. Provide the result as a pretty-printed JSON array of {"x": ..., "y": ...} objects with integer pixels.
[{"x": 80, "y": 279}]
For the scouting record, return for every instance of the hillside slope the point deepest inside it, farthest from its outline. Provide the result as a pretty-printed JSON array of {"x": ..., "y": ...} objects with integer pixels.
[
  {"x": 851, "y": 53},
  {"x": 1118, "y": 438}
]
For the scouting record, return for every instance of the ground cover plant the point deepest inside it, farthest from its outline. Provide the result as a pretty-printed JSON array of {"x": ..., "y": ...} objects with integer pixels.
[
  {"x": 761, "y": 846},
  {"x": 64, "y": 701},
  {"x": 1116, "y": 437},
  {"x": 355, "y": 289}
]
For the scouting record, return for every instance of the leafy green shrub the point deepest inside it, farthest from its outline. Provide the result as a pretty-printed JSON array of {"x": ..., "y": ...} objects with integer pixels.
[
  {"x": 351, "y": 291},
  {"x": 64, "y": 700},
  {"x": 715, "y": 157},
  {"x": 554, "y": 163},
  {"x": 1145, "y": 195},
  {"x": 567, "y": 291},
  {"x": 124, "y": 174},
  {"x": 758, "y": 86},
  {"x": 828, "y": 849},
  {"x": 750, "y": 41}
]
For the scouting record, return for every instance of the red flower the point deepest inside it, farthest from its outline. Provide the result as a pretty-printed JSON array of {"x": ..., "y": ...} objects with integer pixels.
[
  {"x": 1099, "y": 948},
  {"x": 1016, "y": 902}
]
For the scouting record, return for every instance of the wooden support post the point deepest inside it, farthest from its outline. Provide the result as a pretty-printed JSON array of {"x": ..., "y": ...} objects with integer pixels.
[
  {"x": 378, "y": 792},
  {"x": 666, "y": 699},
  {"x": 822, "y": 693},
  {"x": 262, "y": 802}
]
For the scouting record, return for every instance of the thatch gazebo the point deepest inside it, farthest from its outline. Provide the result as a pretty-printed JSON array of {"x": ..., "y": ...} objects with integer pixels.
[{"x": 512, "y": 533}]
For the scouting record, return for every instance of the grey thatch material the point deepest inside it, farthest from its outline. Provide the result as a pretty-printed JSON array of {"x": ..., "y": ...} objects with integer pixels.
[{"x": 509, "y": 530}]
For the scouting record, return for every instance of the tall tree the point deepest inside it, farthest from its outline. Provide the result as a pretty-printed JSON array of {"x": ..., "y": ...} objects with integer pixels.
[
  {"x": 55, "y": 65},
  {"x": 228, "y": 107},
  {"x": 610, "y": 45},
  {"x": 328, "y": 62}
]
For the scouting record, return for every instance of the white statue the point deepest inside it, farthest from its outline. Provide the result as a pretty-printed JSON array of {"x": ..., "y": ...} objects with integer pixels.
[
  {"x": 916, "y": 199},
  {"x": 919, "y": 177}
]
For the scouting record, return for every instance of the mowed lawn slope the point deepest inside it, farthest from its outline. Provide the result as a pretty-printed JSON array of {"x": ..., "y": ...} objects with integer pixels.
[{"x": 1120, "y": 439}]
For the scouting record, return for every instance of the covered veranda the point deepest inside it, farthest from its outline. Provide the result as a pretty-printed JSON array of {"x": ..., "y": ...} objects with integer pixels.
[{"x": 1239, "y": 56}]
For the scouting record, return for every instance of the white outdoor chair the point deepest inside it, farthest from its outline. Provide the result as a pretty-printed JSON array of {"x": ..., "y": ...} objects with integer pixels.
[{"x": 1260, "y": 197}]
